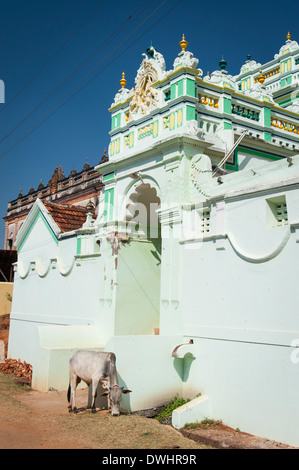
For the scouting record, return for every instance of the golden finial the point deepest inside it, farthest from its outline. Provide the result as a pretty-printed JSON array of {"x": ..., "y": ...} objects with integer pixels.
[
  {"x": 123, "y": 81},
  {"x": 288, "y": 36},
  {"x": 261, "y": 77},
  {"x": 183, "y": 43}
]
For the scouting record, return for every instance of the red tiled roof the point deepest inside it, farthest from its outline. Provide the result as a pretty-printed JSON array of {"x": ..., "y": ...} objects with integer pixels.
[{"x": 66, "y": 216}]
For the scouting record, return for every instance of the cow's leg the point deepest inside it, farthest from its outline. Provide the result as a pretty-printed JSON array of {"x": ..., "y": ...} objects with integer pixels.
[
  {"x": 74, "y": 381},
  {"x": 94, "y": 388}
]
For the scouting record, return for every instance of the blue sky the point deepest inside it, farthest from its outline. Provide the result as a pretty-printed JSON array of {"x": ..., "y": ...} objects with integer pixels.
[{"x": 61, "y": 62}]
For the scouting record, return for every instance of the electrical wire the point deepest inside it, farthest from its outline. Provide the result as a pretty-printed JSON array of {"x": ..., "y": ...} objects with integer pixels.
[
  {"x": 107, "y": 41},
  {"x": 54, "y": 55},
  {"x": 80, "y": 81},
  {"x": 37, "y": 123}
]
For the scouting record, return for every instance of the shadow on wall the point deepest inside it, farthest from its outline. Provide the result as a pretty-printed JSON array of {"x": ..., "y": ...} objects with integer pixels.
[{"x": 182, "y": 366}]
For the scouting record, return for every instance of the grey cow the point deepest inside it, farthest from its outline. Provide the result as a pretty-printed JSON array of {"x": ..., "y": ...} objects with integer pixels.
[{"x": 93, "y": 367}]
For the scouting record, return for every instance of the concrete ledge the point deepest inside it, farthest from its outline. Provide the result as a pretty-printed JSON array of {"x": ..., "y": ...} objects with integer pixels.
[
  {"x": 194, "y": 411},
  {"x": 229, "y": 438}
]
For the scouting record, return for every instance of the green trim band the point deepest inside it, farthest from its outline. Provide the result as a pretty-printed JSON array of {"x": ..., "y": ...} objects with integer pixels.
[
  {"x": 107, "y": 177},
  {"x": 234, "y": 166},
  {"x": 78, "y": 246},
  {"x": 108, "y": 206}
]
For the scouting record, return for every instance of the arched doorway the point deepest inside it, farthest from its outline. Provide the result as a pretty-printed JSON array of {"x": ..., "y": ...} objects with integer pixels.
[
  {"x": 139, "y": 264},
  {"x": 142, "y": 207}
]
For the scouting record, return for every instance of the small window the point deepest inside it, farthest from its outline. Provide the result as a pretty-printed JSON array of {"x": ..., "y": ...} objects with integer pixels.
[
  {"x": 205, "y": 221},
  {"x": 167, "y": 95},
  {"x": 277, "y": 212}
]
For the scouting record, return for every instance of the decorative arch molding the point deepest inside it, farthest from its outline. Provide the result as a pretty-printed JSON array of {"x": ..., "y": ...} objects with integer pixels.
[
  {"x": 42, "y": 269},
  {"x": 254, "y": 258},
  {"x": 131, "y": 189}
]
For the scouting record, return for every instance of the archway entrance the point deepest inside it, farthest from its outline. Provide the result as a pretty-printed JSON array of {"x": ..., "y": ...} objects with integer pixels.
[
  {"x": 139, "y": 264},
  {"x": 142, "y": 208}
]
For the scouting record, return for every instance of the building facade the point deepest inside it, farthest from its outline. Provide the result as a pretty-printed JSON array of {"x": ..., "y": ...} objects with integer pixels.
[
  {"x": 78, "y": 188},
  {"x": 188, "y": 272}
]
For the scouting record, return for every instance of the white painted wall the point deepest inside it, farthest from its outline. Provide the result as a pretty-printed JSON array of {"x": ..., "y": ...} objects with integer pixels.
[{"x": 240, "y": 307}]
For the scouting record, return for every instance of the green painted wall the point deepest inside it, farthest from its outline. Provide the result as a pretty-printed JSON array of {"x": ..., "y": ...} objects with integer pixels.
[
  {"x": 177, "y": 89},
  {"x": 286, "y": 81},
  {"x": 78, "y": 246},
  {"x": 227, "y": 105},
  {"x": 115, "y": 121},
  {"x": 267, "y": 136},
  {"x": 267, "y": 117},
  {"x": 190, "y": 113},
  {"x": 190, "y": 87}
]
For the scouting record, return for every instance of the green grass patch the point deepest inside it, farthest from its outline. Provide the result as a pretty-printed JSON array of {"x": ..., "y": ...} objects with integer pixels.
[
  {"x": 166, "y": 412},
  {"x": 204, "y": 424}
]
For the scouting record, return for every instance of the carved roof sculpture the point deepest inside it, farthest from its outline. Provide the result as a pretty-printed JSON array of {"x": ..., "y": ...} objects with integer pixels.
[
  {"x": 258, "y": 90},
  {"x": 288, "y": 46},
  {"x": 221, "y": 77},
  {"x": 124, "y": 93},
  {"x": 57, "y": 176},
  {"x": 145, "y": 97},
  {"x": 186, "y": 58},
  {"x": 249, "y": 65}
]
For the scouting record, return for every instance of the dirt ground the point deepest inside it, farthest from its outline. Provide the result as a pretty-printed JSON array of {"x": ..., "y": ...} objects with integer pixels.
[
  {"x": 42, "y": 432},
  {"x": 41, "y": 427}
]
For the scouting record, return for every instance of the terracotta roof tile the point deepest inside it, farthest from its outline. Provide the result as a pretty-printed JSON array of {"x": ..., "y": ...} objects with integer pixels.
[{"x": 66, "y": 216}]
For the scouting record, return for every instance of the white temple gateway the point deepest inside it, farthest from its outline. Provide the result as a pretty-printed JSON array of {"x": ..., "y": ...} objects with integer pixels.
[{"x": 189, "y": 272}]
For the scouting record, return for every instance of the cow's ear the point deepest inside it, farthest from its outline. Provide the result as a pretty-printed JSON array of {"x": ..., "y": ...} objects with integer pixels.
[
  {"x": 126, "y": 391},
  {"x": 104, "y": 394}
]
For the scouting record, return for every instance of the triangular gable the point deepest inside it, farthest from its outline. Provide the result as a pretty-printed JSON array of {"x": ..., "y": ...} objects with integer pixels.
[
  {"x": 58, "y": 218},
  {"x": 38, "y": 211}
]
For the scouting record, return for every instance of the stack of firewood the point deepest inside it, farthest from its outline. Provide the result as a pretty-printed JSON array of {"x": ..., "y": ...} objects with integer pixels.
[{"x": 21, "y": 370}]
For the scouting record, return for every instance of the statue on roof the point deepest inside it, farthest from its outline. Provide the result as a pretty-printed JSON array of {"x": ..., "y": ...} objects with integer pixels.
[
  {"x": 123, "y": 94},
  {"x": 57, "y": 176},
  {"x": 221, "y": 77},
  {"x": 104, "y": 158},
  {"x": 288, "y": 46},
  {"x": 145, "y": 97},
  {"x": 249, "y": 65},
  {"x": 156, "y": 59},
  {"x": 186, "y": 58},
  {"x": 258, "y": 90}
]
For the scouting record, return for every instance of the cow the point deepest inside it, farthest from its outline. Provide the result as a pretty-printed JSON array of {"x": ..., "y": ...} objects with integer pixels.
[{"x": 94, "y": 367}]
